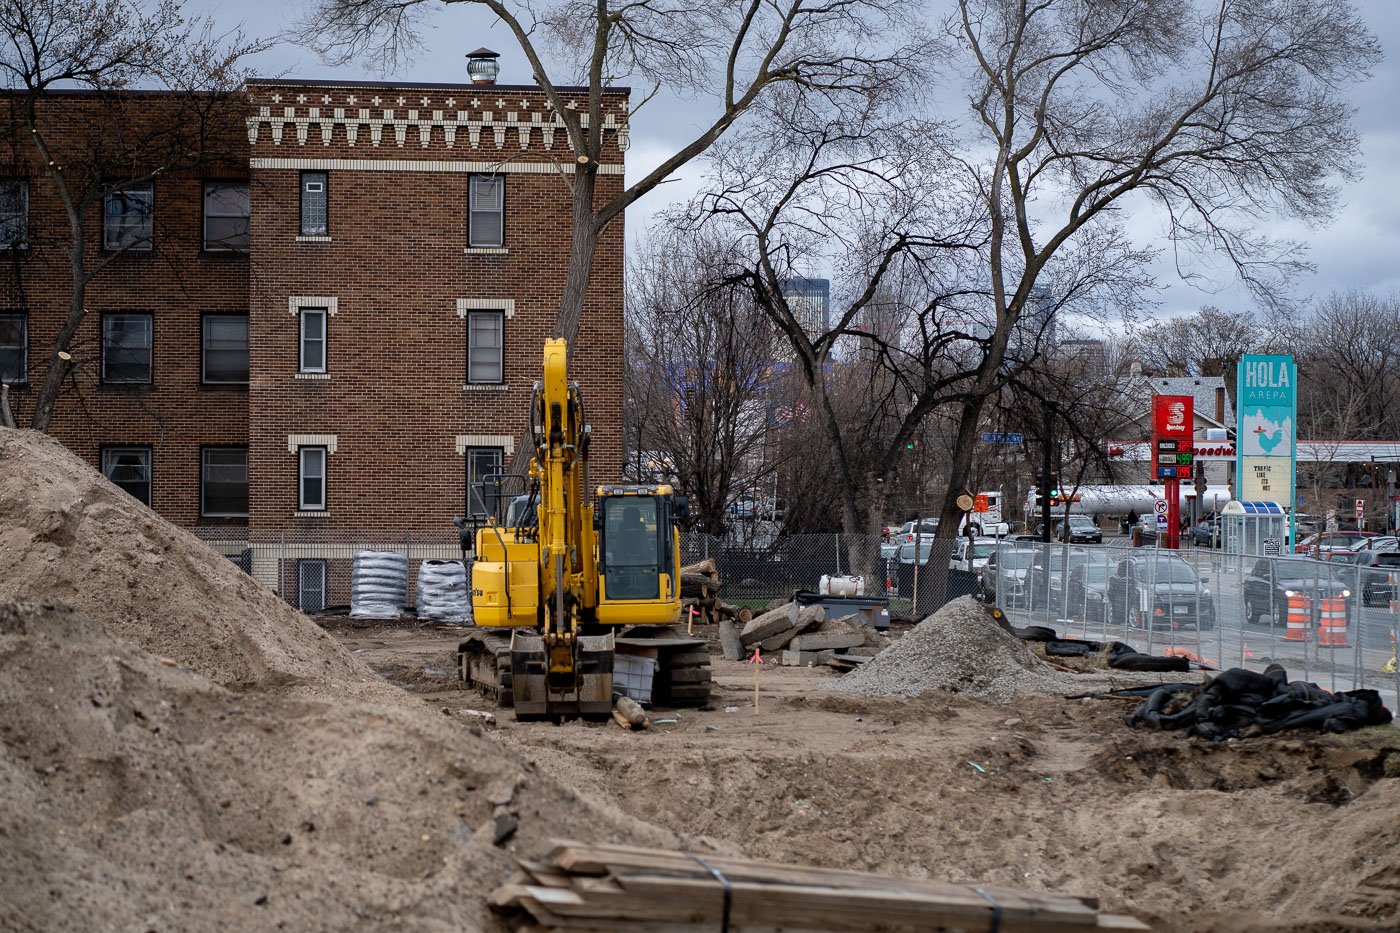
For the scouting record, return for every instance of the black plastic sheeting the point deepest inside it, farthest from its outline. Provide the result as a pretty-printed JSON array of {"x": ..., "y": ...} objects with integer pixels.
[{"x": 1240, "y": 703}]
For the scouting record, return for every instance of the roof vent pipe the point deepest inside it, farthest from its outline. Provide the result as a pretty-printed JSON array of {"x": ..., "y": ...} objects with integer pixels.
[{"x": 482, "y": 66}]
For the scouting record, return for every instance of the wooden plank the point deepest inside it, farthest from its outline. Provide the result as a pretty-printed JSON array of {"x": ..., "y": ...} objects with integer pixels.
[{"x": 602, "y": 858}]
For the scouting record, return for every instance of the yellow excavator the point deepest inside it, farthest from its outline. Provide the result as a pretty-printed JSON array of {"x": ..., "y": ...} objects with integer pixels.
[{"x": 561, "y": 586}]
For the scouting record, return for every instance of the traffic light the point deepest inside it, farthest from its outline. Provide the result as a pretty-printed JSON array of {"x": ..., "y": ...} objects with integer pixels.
[{"x": 1045, "y": 492}]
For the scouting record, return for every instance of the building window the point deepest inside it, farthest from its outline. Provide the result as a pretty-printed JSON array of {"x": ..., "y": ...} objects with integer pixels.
[
  {"x": 14, "y": 347},
  {"x": 482, "y": 494},
  {"x": 128, "y": 216},
  {"x": 126, "y": 348},
  {"x": 129, "y": 468},
  {"x": 313, "y": 340},
  {"x": 226, "y": 348},
  {"x": 486, "y": 217},
  {"x": 485, "y": 346},
  {"x": 311, "y": 585},
  {"x": 226, "y": 210},
  {"x": 223, "y": 482},
  {"x": 315, "y": 204},
  {"x": 312, "y": 496},
  {"x": 14, "y": 212}
]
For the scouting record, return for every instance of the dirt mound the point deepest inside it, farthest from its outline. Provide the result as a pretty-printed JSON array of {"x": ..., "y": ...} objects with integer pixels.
[
  {"x": 68, "y": 535},
  {"x": 141, "y": 796}
]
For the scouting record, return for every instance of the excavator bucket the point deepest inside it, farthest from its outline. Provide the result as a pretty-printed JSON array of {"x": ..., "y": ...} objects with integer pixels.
[{"x": 542, "y": 695}]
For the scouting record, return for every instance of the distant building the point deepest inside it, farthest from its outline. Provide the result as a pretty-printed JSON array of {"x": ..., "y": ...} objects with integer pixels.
[
  {"x": 1089, "y": 356},
  {"x": 810, "y": 302}
]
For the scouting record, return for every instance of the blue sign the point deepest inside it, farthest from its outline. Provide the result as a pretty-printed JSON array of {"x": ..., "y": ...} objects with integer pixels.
[
  {"x": 988, "y": 438},
  {"x": 1266, "y": 428},
  {"x": 1013, "y": 438}
]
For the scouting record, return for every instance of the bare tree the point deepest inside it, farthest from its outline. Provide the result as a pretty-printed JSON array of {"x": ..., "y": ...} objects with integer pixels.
[
  {"x": 729, "y": 54},
  {"x": 698, "y": 363},
  {"x": 1209, "y": 342},
  {"x": 1222, "y": 114},
  {"x": 109, "y": 143}
]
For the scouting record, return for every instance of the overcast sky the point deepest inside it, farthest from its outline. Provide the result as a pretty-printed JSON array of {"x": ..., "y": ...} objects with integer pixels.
[{"x": 1360, "y": 249}]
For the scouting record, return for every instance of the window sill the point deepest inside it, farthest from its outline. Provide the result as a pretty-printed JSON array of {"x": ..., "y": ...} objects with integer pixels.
[
  {"x": 325, "y": 514},
  {"x": 319, "y": 377},
  {"x": 485, "y": 387},
  {"x": 486, "y": 251},
  {"x": 305, "y": 238}
]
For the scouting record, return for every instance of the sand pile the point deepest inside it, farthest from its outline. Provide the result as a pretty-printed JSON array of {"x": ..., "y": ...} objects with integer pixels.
[
  {"x": 961, "y": 649},
  {"x": 66, "y": 534},
  {"x": 139, "y": 796}
]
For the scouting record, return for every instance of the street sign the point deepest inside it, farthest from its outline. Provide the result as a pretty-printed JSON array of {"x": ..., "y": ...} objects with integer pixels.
[
  {"x": 1360, "y": 507},
  {"x": 1160, "y": 506},
  {"x": 1161, "y": 521},
  {"x": 1000, "y": 438}
]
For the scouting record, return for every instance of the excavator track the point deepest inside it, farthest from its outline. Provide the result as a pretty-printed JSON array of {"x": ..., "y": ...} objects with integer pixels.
[
  {"x": 683, "y": 678},
  {"x": 483, "y": 661}
]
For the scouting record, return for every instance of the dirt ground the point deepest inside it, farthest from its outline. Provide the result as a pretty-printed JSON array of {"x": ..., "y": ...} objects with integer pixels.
[
  {"x": 182, "y": 751},
  {"x": 1293, "y": 832}
]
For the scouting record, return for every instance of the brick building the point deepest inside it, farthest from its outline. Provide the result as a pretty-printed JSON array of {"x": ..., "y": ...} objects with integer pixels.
[{"x": 337, "y": 327}]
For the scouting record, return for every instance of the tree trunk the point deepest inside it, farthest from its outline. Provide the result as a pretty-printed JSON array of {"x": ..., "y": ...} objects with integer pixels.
[
  {"x": 57, "y": 369},
  {"x": 566, "y": 324}
]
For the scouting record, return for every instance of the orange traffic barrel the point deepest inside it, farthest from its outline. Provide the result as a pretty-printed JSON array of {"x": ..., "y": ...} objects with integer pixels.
[
  {"x": 1299, "y": 619},
  {"x": 1332, "y": 624}
]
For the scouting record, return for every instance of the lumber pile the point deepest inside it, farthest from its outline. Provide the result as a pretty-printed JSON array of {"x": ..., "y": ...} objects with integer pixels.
[
  {"x": 700, "y": 589},
  {"x": 592, "y": 887}
]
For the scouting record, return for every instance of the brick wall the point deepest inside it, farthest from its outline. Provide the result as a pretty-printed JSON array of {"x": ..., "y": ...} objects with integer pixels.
[{"x": 396, "y": 264}]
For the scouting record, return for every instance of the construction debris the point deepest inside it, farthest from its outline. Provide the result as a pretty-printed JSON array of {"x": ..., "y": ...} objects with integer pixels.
[
  {"x": 581, "y": 886},
  {"x": 628, "y": 713},
  {"x": 768, "y": 624},
  {"x": 1240, "y": 703}
]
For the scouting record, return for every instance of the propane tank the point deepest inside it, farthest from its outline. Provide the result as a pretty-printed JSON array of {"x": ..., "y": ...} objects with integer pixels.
[{"x": 842, "y": 585}]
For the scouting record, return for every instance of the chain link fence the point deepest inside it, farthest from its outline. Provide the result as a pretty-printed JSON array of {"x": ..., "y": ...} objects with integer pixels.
[{"x": 1332, "y": 623}]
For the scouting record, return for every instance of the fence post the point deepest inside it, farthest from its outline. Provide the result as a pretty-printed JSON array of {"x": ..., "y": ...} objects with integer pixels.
[
  {"x": 408, "y": 553},
  {"x": 837, "y": 538},
  {"x": 282, "y": 570}
]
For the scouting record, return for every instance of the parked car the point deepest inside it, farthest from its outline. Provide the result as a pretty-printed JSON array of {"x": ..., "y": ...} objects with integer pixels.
[
  {"x": 1206, "y": 533},
  {"x": 909, "y": 531},
  {"x": 1306, "y": 524},
  {"x": 1079, "y": 528},
  {"x": 1324, "y": 543},
  {"x": 1271, "y": 581},
  {"x": 1005, "y": 577},
  {"x": 971, "y": 555},
  {"x": 1156, "y": 587},
  {"x": 1062, "y": 566},
  {"x": 889, "y": 550},
  {"x": 1381, "y": 543},
  {"x": 1375, "y": 570},
  {"x": 1086, "y": 591}
]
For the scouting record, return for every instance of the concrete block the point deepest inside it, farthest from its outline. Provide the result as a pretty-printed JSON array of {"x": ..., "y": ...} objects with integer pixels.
[
  {"x": 803, "y": 658},
  {"x": 821, "y": 641},
  {"x": 770, "y": 623}
]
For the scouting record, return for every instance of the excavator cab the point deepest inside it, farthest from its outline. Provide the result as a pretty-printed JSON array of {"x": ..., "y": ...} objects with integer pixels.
[{"x": 638, "y": 555}]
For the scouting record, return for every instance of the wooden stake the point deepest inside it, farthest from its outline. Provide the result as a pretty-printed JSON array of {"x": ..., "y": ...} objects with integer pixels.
[{"x": 756, "y": 660}]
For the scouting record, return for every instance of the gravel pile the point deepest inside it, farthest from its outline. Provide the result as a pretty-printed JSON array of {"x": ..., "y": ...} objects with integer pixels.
[{"x": 959, "y": 649}]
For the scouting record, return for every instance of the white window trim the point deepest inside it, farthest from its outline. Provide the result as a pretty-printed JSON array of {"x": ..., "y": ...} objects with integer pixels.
[
  {"x": 506, "y": 305},
  {"x": 302, "y": 504},
  {"x": 297, "y": 302},
  {"x": 327, "y": 441},
  {"x": 301, "y": 341},
  {"x": 486, "y": 387},
  {"x": 308, "y": 238},
  {"x": 300, "y": 514},
  {"x": 487, "y": 251},
  {"x": 318, "y": 377},
  {"x": 505, "y": 441}
]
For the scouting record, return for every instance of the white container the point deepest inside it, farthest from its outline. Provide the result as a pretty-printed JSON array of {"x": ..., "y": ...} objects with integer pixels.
[
  {"x": 844, "y": 585},
  {"x": 633, "y": 676}
]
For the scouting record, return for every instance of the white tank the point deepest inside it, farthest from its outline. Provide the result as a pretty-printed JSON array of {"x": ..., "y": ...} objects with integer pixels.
[{"x": 843, "y": 585}]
